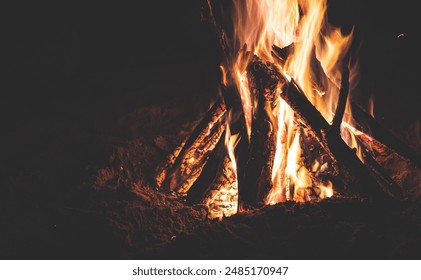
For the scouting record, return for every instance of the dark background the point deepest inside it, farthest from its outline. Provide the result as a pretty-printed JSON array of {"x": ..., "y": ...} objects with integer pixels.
[
  {"x": 63, "y": 59},
  {"x": 71, "y": 70}
]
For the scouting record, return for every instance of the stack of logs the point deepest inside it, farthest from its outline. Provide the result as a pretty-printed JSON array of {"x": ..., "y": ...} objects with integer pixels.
[{"x": 199, "y": 165}]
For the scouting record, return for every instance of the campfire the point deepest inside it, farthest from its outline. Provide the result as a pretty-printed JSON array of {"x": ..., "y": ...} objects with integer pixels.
[
  {"x": 285, "y": 127},
  {"x": 213, "y": 129}
]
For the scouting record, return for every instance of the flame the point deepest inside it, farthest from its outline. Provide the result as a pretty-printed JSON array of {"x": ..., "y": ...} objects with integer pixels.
[
  {"x": 258, "y": 26},
  {"x": 261, "y": 23},
  {"x": 349, "y": 133},
  {"x": 314, "y": 62},
  {"x": 223, "y": 201},
  {"x": 240, "y": 76},
  {"x": 224, "y": 75},
  {"x": 371, "y": 106},
  {"x": 326, "y": 190}
]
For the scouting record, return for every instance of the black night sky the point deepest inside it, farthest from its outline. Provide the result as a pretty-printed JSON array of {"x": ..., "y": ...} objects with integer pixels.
[{"x": 60, "y": 56}]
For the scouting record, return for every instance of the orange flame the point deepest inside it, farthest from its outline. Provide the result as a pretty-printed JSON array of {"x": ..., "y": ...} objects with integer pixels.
[
  {"x": 314, "y": 62},
  {"x": 224, "y": 201}
]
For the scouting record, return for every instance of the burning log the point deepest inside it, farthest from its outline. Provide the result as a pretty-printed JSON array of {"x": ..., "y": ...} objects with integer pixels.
[
  {"x": 221, "y": 197},
  {"x": 284, "y": 148},
  {"x": 368, "y": 125},
  {"x": 282, "y": 53},
  {"x": 373, "y": 148},
  {"x": 202, "y": 185},
  {"x": 208, "y": 15},
  {"x": 218, "y": 173},
  {"x": 387, "y": 184},
  {"x": 342, "y": 100},
  {"x": 345, "y": 160},
  {"x": 364, "y": 121},
  {"x": 196, "y": 150},
  {"x": 307, "y": 113},
  {"x": 162, "y": 170},
  {"x": 241, "y": 153},
  {"x": 263, "y": 82},
  {"x": 237, "y": 126},
  {"x": 315, "y": 159},
  {"x": 373, "y": 145}
]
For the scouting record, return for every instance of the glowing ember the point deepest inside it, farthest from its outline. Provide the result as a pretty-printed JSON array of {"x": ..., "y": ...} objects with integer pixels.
[{"x": 223, "y": 200}]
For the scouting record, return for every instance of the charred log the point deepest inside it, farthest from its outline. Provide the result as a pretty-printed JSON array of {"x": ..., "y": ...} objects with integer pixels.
[
  {"x": 204, "y": 182},
  {"x": 372, "y": 149},
  {"x": 241, "y": 154},
  {"x": 342, "y": 100},
  {"x": 263, "y": 83},
  {"x": 348, "y": 165},
  {"x": 221, "y": 197},
  {"x": 316, "y": 160},
  {"x": 197, "y": 149},
  {"x": 377, "y": 171},
  {"x": 237, "y": 125},
  {"x": 364, "y": 121},
  {"x": 161, "y": 170},
  {"x": 282, "y": 53},
  {"x": 369, "y": 125},
  {"x": 208, "y": 15}
]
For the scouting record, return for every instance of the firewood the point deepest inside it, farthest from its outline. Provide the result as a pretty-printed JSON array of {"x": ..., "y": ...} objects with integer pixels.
[
  {"x": 219, "y": 32},
  {"x": 348, "y": 165},
  {"x": 237, "y": 124},
  {"x": 208, "y": 179},
  {"x": 263, "y": 83},
  {"x": 373, "y": 148},
  {"x": 282, "y": 53},
  {"x": 369, "y": 125},
  {"x": 197, "y": 149},
  {"x": 377, "y": 171},
  {"x": 161, "y": 170},
  {"x": 202, "y": 184},
  {"x": 364, "y": 121},
  {"x": 241, "y": 153},
  {"x": 342, "y": 100},
  {"x": 221, "y": 197}
]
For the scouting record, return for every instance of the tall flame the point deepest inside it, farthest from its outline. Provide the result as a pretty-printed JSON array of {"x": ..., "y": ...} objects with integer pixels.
[{"x": 315, "y": 59}]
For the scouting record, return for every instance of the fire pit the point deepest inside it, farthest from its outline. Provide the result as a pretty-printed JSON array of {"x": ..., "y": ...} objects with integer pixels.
[
  {"x": 283, "y": 163},
  {"x": 285, "y": 127}
]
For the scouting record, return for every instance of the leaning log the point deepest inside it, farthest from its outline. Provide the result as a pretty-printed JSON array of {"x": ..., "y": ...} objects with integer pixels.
[
  {"x": 237, "y": 125},
  {"x": 364, "y": 121},
  {"x": 382, "y": 177},
  {"x": 263, "y": 80},
  {"x": 342, "y": 100},
  {"x": 201, "y": 186},
  {"x": 221, "y": 197},
  {"x": 282, "y": 53},
  {"x": 349, "y": 167},
  {"x": 197, "y": 149},
  {"x": 367, "y": 124},
  {"x": 214, "y": 173}
]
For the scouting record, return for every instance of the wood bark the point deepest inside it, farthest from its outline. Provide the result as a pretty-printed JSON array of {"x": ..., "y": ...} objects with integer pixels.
[
  {"x": 370, "y": 126},
  {"x": 363, "y": 121},
  {"x": 197, "y": 149},
  {"x": 263, "y": 80},
  {"x": 348, "y": 165},
  {"x": 203, "y": 183},
  {"x": 342, "y": 100}
]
